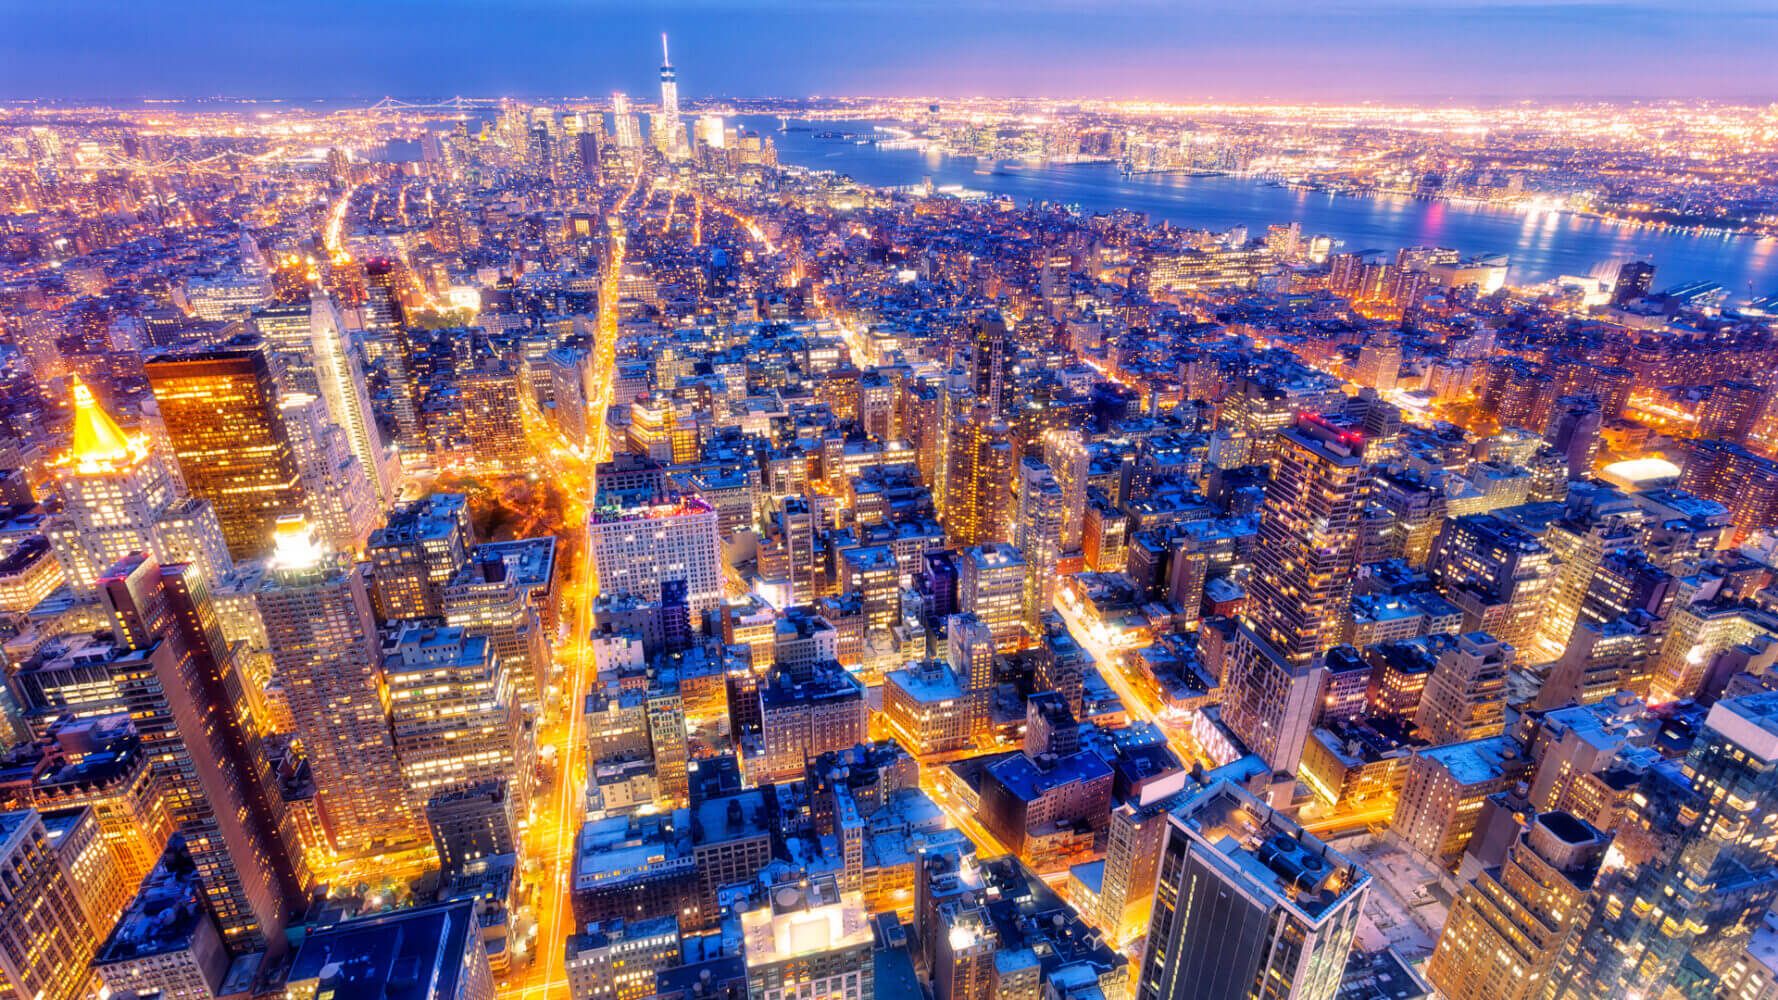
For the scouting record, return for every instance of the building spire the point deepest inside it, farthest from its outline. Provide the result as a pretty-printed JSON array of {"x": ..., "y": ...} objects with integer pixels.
[
  {"x": 97, "y": 438},
  {"x": 664, "y": 60}
]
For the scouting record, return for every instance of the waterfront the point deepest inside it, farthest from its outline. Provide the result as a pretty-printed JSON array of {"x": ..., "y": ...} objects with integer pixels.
[{"x": 1541, "y": 246}]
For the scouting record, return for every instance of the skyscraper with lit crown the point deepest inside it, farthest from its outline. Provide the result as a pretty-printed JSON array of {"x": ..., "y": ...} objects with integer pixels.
[
  {"x": 116, "y": 497},
  {"x": 672, "y": 143},
  {"x": 323, "y": 640}
]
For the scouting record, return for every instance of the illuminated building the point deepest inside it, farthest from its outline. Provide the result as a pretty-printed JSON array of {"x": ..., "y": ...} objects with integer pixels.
[
  {"x": 618, "y": 959},
  {"x": 28, "y": 574},
  {"x": 486, "y": 598},
  {"x": 98, "y": 764},
  {"x": 452, "y": 711},
  {"x": 872, "y": 573},
  {"x": 638, "y": 549},
  {"x": 1248, "y": 904},
  {"x": 323, "y": 641},
  {"x": 1696, "y": 634},
  {"x": 100, "y": 886},
  {"x": 1510, "y": 927},
  {"x": 387, "y": 341},
  {"x": 1633, "y": 281},
  {"x": 1681, "y": 902},
  {"x": 472, "y": 822},
  {"x": 664, "y": 711},
  {"x": 1465, "y": 696},
  {"x": 414, "y": 556},
  {"x": 1497, "y": 572},
  {"x": 221, "y": 413},
  {"x": 1299, "y": 590},
  {"x": 341, "y": 503},
  {"x": 1743, "y": 482},
  {"x": 165, "y": 941},
  {"x": 670, "y": 139},
  {"x": 117, "y": 498},
  {"x": 927, "y": 708},
  {"x": 1442, "y": 794},
  {"x": 1038, "y": 534},
  {"x": 801, "y": 720},
  {"x": 489, "y": 396},
  {"x": 44, "y": 937},
  {"x": 810, "y": 940},
  {"x": 339, "y": 377},
  {"x": 991, "y": 587},
  {"x": 1379, "y": 361},
  {"x": 623, "y": 123},
  {"x": 197, "y": 725},
  {"x": 1047, "y": 808},
  {"x": 979, "y": 475}
]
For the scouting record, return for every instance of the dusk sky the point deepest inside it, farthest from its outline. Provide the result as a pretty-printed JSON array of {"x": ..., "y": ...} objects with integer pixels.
[{"x": 1185, "y": 50}]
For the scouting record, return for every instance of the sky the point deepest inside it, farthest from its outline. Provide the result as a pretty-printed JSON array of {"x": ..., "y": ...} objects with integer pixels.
[{"x": 1182, "y": 50}]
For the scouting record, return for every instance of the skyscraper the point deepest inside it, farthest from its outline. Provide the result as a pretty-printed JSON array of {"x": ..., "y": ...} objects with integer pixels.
[
  {"x": 1694, "y": 892},
  {"x": 45, "y": 943},
  {"x": 323, "y": 641},
  {"x": 1300, "y": 588},
  {"x": 221, "y": 413},
  {"x": 117, "y": 498},
  {"x": 191, "y": 708},
  {"x": 386, "y": 329},
  {"x": 1037, "y": 531},
  {"x": 1248, "y": 906},
  {"x": 339, "y": 376},
  {"x": 638, "y": 549},
  {"x": 454, "y": 715},
  {"x": 672, "y": 143},
  {"x": 1510, "y": 927}
]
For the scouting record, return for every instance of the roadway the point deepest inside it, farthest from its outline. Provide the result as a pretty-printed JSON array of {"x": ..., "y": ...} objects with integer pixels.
[{"x": 552, "y": 834}]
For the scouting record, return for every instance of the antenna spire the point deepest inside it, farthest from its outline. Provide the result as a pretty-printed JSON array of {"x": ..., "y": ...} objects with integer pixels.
[{"x": 664, "y": 60}]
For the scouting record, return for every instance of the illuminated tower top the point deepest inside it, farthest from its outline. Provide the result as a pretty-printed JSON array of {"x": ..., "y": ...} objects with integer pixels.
[
  {"x": 99, "y": 443},
  {"x": 669, "y": 90}
]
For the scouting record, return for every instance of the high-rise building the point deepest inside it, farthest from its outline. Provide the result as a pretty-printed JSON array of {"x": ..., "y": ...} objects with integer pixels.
[
  {"x": 1465, "y": 695},
  {"x": 1299, "y": 592},
  {"x": 638, "y": 549},
  {"x": 323, "y": 641},
  {"x": 623, "y": 123},
  {"x": 1634, "y": 279},
  {"x": 198, "y": 726},
  {"x": 1511, "y": 926},
  {"x": 1498, "y": 573},
  {"x": 809, "y": 940},
  {"x": 45, "y": 943},
  {"x": 389, "y": 342},
  {"x": 487, "y": 597},
  {"x": 415, "y": 555},
  {"x": 979, "y": 479},
  {"x": 1688, "y": 898},
  {"x": 452, "y": 709},
  {"x": 1038, "y": 534},
  {"x": 491, "y": 420},
  {"x": 383, "y": 954},
  {"x": 165, "y": 940},
  {"x": 116, "y": 497},
  {"x": 991, "y": 587},
  {"x": 672, "y": 142},
  {"x": 1248, "y": 905},
  {"x": 341, "y": 503},
  {"x": 339, "y": 376},
  {"x": 221, "y": 413}
]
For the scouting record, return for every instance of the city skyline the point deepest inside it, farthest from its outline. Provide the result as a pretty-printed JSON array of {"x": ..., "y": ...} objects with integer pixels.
[{"x": 1275, "y": 50}]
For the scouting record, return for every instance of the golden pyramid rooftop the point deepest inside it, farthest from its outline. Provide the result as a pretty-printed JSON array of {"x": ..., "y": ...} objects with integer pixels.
[{"x": 98, "y": 442}]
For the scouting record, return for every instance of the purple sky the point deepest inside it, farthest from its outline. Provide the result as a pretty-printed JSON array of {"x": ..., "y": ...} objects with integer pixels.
[{"x": 1184, "y": 49}]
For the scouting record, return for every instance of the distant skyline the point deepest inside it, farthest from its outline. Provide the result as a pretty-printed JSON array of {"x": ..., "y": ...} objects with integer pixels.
[{"x": 1344, "y": 50}]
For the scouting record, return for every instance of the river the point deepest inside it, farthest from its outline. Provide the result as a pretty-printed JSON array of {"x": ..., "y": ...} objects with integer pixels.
[{"x": 1541, "y": 246}]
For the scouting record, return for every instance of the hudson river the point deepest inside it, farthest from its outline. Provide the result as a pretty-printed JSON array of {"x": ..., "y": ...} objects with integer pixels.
[{"x": 1541, "y": 246}]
